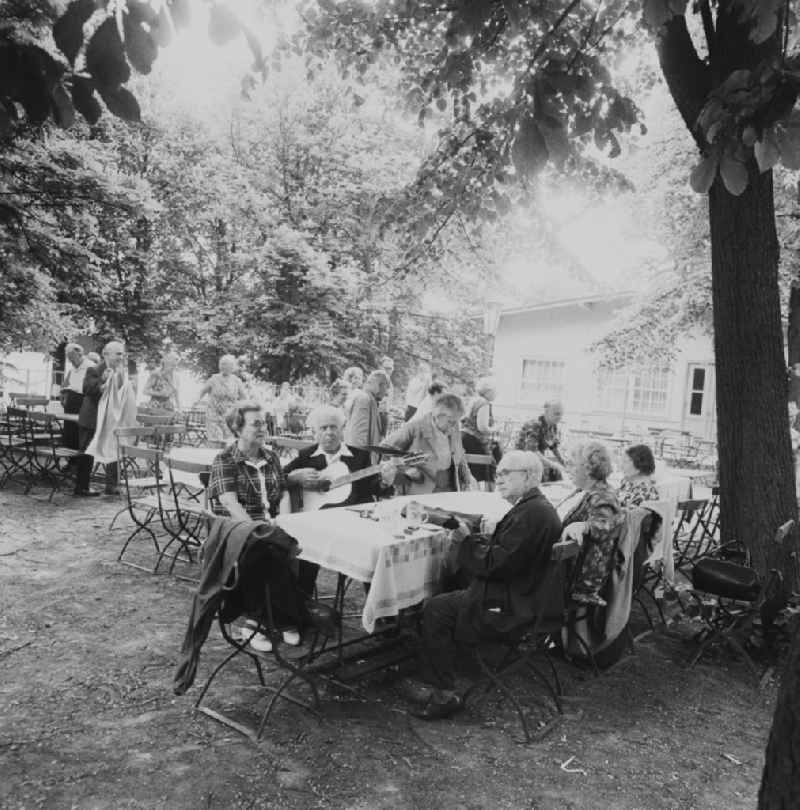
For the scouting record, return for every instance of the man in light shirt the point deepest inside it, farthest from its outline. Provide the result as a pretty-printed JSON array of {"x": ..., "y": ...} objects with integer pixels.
[{"x": 72, "y": 391}]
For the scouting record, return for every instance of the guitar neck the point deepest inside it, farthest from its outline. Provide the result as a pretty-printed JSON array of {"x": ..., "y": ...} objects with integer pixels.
[{"x": 374, "y": 469}]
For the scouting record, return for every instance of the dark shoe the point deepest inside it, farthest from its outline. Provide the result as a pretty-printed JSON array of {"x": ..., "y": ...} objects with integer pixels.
[
  {"x": 86, "y": 493},
  {"x": 415, "y": 691},
  {"x": 323, "y": 618},
  {"x": 439, "y": 707},
  {"x": 111, "y": 492}
]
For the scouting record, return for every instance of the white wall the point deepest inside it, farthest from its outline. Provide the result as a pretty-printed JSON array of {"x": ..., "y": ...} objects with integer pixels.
[{"x": 564, "y": 334}]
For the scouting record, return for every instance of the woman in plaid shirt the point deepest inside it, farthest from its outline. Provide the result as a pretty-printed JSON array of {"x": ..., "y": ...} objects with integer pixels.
[{"x": 247, "y": 483}]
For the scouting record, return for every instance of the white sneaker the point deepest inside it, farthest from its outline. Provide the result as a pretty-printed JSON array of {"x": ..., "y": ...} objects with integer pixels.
[
  {"x": 291, "y": 637},
  {"x": 258, "y": 641}
]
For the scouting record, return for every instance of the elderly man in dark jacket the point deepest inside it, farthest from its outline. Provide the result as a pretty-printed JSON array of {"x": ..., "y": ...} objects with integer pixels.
[{"x": 506, "y": 567}]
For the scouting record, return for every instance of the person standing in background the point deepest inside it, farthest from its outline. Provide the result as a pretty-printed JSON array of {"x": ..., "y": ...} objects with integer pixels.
[
  {"x": 417, "y": 389},
  {"x": 72, "y": 391},
  {"x": 387, "y": 365},
  {"x": 109, "y": 402},
  {"x": 162, "y": 387}
]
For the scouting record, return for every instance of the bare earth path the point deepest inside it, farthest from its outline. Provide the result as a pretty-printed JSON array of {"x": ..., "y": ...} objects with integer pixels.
[{"x": 88, "y": 718}]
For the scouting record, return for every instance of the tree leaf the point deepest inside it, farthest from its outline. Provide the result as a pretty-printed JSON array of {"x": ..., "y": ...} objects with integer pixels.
[
  {"x": 5, "y": 120},
  {"x": 84, "y": 100},
  {"x": 121, "y": 102},
  {"x": 659, "y": 12},
  {"x": 68, "y": 28},
  {"x": 181, "y": 12},
  {"x": 162, "y": 28},
  {"x": 63, "y": 111},
  {"x": 789, "y": 145},
  {"x": 223, "y": 24},
  {"x": 703, "y": 174},
  {"x": 767, "y": 151},
  {"x": 734, "y": 174},
  {"x": 529, "y": 150},
  {"x": 105, "y": 59},
  {"x": 555, "y": 138},
  {"x": 139, "y": 44}
]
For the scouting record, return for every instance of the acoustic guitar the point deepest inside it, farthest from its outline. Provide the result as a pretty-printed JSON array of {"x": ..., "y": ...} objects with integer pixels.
[{"x": 337, "y": 481}]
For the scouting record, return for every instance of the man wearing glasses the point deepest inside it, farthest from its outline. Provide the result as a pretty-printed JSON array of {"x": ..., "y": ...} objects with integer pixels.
[{"x": 505, "y": 564}]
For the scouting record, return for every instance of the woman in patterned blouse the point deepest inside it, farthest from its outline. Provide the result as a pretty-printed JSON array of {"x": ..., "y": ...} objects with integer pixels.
[{"x": 638, "y": 466}]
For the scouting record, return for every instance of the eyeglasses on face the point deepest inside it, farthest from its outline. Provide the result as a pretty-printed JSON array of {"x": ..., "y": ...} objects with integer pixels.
[{"x": 256, "y": 423}]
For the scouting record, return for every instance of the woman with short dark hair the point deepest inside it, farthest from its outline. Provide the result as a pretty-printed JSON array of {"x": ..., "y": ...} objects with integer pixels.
[{"x": 638, "y": 466}]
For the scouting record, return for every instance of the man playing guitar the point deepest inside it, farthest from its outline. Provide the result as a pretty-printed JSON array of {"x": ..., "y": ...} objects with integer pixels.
[{"x": 311, "y": 474}]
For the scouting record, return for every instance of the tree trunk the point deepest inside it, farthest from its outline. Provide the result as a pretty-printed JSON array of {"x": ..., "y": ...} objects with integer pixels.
[
  {"x": 793, "y": 332},
  {"x": 756, "y": 469},
  {"x": 780, "y": 782}
]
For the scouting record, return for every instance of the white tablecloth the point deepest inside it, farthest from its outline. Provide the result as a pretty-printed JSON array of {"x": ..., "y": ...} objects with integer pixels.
[{"x": 402, "y": 570}]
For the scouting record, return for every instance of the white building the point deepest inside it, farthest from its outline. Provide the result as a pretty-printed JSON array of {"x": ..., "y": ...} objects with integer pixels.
[{"x": 541, "y": 352}]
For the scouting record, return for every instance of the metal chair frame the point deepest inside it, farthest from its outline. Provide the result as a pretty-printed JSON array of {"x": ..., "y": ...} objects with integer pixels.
[
  {"x": 183, "y": 519},
  {"x": 14, "y": 449},
  {"x": 49, "y": 458},
  {"x": 729, "y": 614},
  {"x": 150, "y": 505},
  {"x": 536, "y": 639}
]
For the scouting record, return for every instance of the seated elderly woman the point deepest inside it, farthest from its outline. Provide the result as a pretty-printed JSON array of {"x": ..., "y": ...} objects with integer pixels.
[
  {"x": 437, "y": 435},
  {"x": 637, "y": 485},
  {"x": 594, "y": 517},
  {"x": 247, "y": 483}
]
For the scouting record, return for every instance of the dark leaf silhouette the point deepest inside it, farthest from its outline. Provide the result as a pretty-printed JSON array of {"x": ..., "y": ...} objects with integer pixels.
[
  {"x": 68, "y": 28},
  {"x": 105, "y": 59}
]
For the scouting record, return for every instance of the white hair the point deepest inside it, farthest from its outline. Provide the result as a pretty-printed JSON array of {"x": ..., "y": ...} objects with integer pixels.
[
  {"x": 525, "y": 460},
  {"x": 321, "y": 414},
  {"x": 227, "y": 357},
  {"x": 73, "y": 347},
  {"x": 485, "y": 384}
]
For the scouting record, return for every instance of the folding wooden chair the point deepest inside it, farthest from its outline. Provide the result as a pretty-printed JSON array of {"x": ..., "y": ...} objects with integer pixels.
[
  {"x": 737, "y": 596},
  {"x": 185, "y": 519},
  {"x": 482, "y": 460},
  {"x": 14, "y": 447},
  {"x": 690, "y": 537},
  {"x": 533, "y": 641},
  {"x": 250, "y": 577},
  {"x": 31, "y": 401},
  {"x": 50, "y": 461},
  {"x": 141, "y": 474}
]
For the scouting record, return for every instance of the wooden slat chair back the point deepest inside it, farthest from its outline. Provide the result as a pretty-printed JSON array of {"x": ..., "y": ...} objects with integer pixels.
[
  {"x": 150, "y": 419},
  {"x": 142, "y": 478},
  {"x": 50, "y": 459},
  {"x": 171, "y": 434},
  {"x": 481, "y": 460},
  {"x": 30, "y": 401}
]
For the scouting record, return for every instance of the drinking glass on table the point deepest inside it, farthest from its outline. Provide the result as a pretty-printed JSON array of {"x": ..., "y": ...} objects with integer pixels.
[{"x": 416, "y": 514}]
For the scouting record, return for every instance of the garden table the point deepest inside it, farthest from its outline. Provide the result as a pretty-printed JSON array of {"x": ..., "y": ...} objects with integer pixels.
[{"x": 402, "y": 566}]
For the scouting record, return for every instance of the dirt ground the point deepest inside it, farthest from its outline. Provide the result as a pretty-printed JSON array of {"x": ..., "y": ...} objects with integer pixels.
[{"x": 88, "y": 718}]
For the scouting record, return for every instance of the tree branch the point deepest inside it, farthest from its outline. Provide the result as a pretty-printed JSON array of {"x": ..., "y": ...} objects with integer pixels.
[{"x": 688, "y": 78}]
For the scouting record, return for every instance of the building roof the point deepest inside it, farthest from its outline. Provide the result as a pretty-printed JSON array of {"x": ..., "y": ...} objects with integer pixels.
[{"x": 582, "y": 300}]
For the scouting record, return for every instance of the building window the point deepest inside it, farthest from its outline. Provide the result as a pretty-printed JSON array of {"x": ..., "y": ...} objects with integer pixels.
[
  {"x": 612, "y": 388},
  {"x": 542, "y": 380},
  {"x": 640, "y": 392},
  {"x": 698, "y": 381}
]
